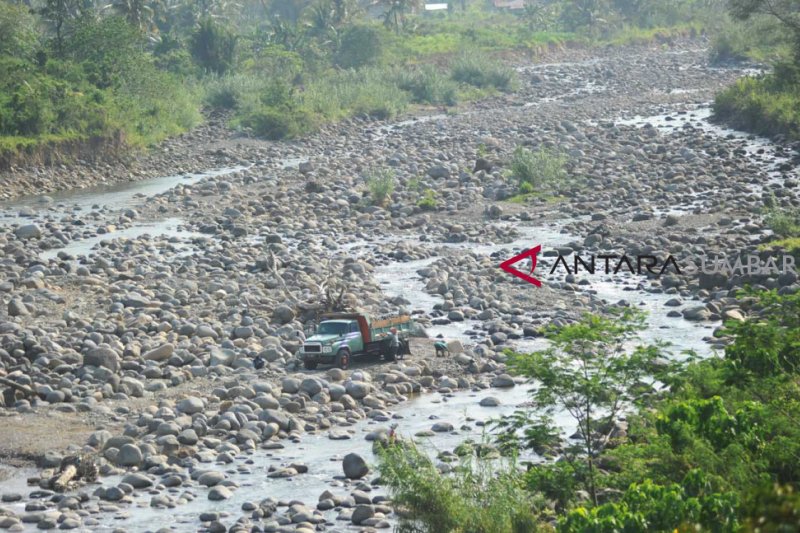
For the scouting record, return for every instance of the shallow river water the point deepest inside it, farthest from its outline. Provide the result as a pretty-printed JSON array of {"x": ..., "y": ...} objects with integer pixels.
[{"x": 321, "y": 454}]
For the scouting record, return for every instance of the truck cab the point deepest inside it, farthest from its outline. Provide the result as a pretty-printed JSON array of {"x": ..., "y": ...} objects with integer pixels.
[{"x": 340, "y": 336}]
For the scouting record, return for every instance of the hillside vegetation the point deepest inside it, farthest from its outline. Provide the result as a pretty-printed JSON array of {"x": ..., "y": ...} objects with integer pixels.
[{"x": 86, "y": 78}]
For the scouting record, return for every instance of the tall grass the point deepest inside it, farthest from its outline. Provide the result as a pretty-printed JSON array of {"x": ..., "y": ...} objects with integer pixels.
[
  {"x": 537, "y": 169},
  {"x": 381, "y": 185},
  {"x": 784, "y": 222},
  {"x": 480, "y": 70},
  {"x": 428, "y": 85},
  {"x": 230, "y": 92},
  {"x": 767, "y": 105},
  {"x": 478, "y": 496},
  {"x": 368, "y": 91}
]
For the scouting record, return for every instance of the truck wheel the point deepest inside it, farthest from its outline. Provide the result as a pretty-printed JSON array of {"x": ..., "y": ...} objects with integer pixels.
[
  {"x": 388, "y": 355},
  {"x": 343, "y": 359},
  {"x": 310, "y": 365}
]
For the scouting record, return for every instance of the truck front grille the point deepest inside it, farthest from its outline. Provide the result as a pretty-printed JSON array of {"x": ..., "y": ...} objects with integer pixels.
[{"x": 312, "y": 348}]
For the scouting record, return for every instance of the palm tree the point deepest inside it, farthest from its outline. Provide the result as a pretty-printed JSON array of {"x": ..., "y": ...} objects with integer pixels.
[
  {"x": 139, "y": 13},
  {"x": 394, "y": 16}
]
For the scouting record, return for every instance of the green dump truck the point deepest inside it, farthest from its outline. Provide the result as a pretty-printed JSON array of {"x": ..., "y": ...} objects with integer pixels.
[{"x": 341, "y": 336}]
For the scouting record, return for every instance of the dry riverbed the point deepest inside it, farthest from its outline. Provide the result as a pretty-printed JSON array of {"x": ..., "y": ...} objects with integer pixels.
[{"x": 139, "y": 349}]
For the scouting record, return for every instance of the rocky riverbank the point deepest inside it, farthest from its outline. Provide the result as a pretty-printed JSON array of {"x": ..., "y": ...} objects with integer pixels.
[{"x": 141, "y": 354}]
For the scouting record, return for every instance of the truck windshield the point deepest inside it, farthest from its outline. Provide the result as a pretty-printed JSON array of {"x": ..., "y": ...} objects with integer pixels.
[{"x": 332, "y": 328}]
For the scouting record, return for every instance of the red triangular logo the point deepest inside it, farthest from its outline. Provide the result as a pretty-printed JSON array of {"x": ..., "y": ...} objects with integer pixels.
[{"x": 506, "y": 265}]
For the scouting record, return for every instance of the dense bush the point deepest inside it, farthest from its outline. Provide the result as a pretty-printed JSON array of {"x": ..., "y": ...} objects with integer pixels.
[
  {"x": 105, "y": 84},
  {"x": 230, "y": 92},
  {"x": 481, "y": 71},
  {"x": 783, "y": 222},
  {"x": 363, "y": 92},
  {"x": 537, "y": 169},
  {"x": 213, "y": 47},
  {"x": 18, "y": 36},
  {"x": 768, "y": 105},
  {"x": 715, "y": 450},
  {"x": 428, "y": 85},
  {"x": 279, "y": 123},
  {"x": 478, "y": 496},
  {"x": 360, "y": 45},
  {"x": 381, "y": 185},
  {"x": 428, "y": 201}
]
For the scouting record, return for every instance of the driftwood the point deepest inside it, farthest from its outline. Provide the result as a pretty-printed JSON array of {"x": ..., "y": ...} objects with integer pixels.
[
  {"x": 329, "y": 297},
  {"x": 73, "y": 469},
  {"x": 27, "y": 391},
  {"x": 61, "y": 481}
]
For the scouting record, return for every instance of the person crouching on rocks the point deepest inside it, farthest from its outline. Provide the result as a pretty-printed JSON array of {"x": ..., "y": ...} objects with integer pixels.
[{"x": 441, "y": 348}]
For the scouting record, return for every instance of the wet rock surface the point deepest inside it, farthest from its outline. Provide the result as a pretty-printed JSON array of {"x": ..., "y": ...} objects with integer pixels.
[{"x": 142, "y": 351}]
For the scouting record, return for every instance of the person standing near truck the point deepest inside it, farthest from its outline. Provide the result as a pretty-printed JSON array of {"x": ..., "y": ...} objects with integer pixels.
[{"x": 394, "y": 343}]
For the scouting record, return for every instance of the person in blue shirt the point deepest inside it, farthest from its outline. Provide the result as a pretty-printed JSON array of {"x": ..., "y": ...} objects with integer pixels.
[{"x": 441, "y": 348}]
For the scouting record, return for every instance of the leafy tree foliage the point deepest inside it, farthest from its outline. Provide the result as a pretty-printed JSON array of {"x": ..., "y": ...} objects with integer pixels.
[
  {"x": 360, "y": 46},
  {"x": 18, "y": 36},
  {"x": 588, "y": 372},
  {"x": 769, "y": 346},
  {"x": 213, "y": 47}
]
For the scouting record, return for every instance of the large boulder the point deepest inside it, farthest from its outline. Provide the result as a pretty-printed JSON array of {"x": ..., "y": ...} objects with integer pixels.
[
  {"x": 290, "y": 385},
  {"x": 361, "y": 513},
  {"x": 221, "y": 357},
  {"x": 129, "y": 455},
  {"x": 283, "y": 314},
  {"x": 503, "y": 381},
  {"x": 190, "y": 405},
  {"x": 162, "y": 353},
  {"x": 698, "y": 312},
  {"x": 358, "y": 389},
  {"x": 102, "y": 357},
  {"x": 17, "y": 307},
  {"x": 311, "y": 386},
  {"x": 29, "y": 231},
  {"x": 354, "y": 466}
]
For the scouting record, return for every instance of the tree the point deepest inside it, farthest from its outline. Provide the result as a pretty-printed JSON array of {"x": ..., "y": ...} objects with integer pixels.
[
  {"x": 786, "y": 11},
  {"x": 110, "y": 50},
  {"x": 18, "y": 37},
  {"x": 395, "y": 12},
  {"x": 58, "y": 14},
  {"x": 139, "y": 13},
  {"x": 588, "y": 372},
  {"x": 359, "y": 45},
  {"x": 577, "y": 14},
  {"x": 769, "y": 344},
  {"x": 213, "y": 47}
]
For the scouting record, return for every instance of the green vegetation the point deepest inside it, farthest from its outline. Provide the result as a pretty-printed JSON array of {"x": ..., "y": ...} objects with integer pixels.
[
  {"x": 478, "y": 496},
  {"x": 483, "y": 72},
  {"x": 381, "y": 186},
  {"x": 708, "y": 445},
  {"x": 428, "y": 201},
  {"x": 587, "y": 372},
  {"x": 785, "y": 225},
  {"x": 101, "y": 86},
  {"x": 81, "y": 78},
  {"x": 783, "y": 222},
  {"x": 537, "y": 170},
  {"x": 768, "y": 104}
]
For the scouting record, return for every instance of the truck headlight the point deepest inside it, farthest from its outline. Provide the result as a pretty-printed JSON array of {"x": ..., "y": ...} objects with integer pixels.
[{"x": 327, "y": 349}]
